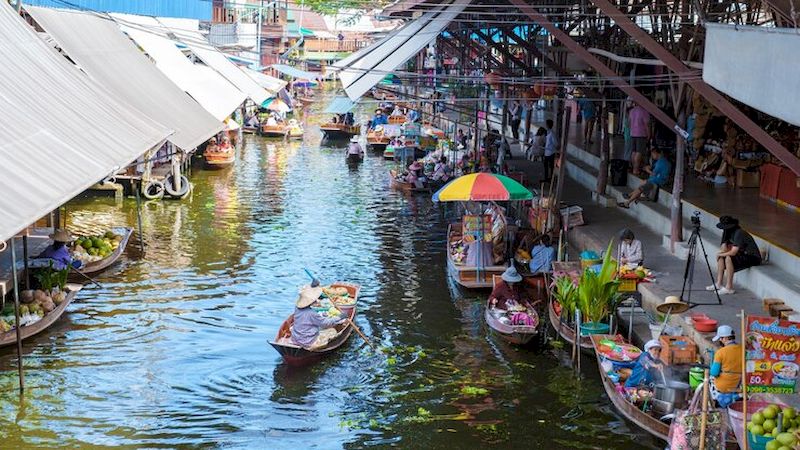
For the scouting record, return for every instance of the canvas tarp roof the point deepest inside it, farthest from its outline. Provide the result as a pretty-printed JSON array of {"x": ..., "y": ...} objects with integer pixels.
[
  {"x": 295, "y": 72},
  {"x": 369, "y": 67},
  {"x": 339, "y": 105},
  {"x": 271, "y": 84},
  {"x": 99, "y": 47},
  {"x": 214, "y": 93},
  {"x": 215, "y": 59},
  {"x": 61, "y": 132}
]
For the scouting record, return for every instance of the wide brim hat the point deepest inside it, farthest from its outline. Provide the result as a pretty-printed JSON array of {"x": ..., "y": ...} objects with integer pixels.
[
  {"x": 61, "y": 236},
  {"x": 308, "y": 295},
  {"x": 727, "y": 222},
  {"x": 511, "y": 275},
  {"x": 672, "y": 305}
]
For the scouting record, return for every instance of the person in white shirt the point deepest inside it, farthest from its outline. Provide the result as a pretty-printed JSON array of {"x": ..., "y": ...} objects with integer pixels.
[
  {"x": 550, "y": 148},
  {"x": 630, "y": 250}
]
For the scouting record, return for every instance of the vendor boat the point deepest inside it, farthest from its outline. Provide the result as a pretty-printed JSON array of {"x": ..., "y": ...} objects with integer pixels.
[
  {"x": 220, "y": 159},
  {"x": 277, "y": 130},
  {"x": 247, "y": 129},
  {"x": 10, "y": 337},
  {"x": 628, "y": 409},
  {"x": 97, "y": 266},
  {"x": 294, "y": 130},
  {"x": 294, "y": 355},
  {"x": 339, "y": 130},
  {"x": 388, "y": 152},
  {"x": 400, "y": 185},
  {"x": 397, "y": 120},
  {"x": 354, "y": 158},
  {"x": 377, "y": 140},
  {"x": 470, "y": 277},
  {"x": 564, "y": 330},
  {"x": 501, "y": 325}
]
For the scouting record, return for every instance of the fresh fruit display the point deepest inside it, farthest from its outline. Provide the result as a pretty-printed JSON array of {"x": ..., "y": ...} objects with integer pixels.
[
  {"x": 339, "y": 295},
  {"x": 638, "y": 272},
  {"x": 89, "y": 249},
  {"x": 765, "y": 423},
  {"x": 34, "y": 306}
]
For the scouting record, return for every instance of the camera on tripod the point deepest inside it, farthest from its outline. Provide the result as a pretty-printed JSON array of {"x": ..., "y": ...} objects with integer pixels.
[{"x": 695, "y": 220}]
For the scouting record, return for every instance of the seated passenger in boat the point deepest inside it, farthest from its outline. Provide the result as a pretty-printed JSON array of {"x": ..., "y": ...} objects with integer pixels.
[
  {"x": 379, "y": 119},
  {"x": 349, "y": 120},
  {"x": 307, "y": 322},
  {"x": 252, "y": 121},
  {"x": 272, "y": 120},
  {"x": 57, "y": 252},
  {"x": 225, "y": 146},
  {"x": 396, "y": 112},
  {"x": 335, "y": 119},
  {"x": 648, "y": 366},
  {"x": 441, "y": 172},
  {"x": 212, "y": 146},
  {"x": 542, "y": 256},
  {"x": 416, "y": 174},
  {"x": 507, "y": 293}
]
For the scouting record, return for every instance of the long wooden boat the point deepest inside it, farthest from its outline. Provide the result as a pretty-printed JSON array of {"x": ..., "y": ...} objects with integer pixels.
[
  {"x": 339, "y": 130},
  {"x": 377, "y": 141},
  {"x": 97, "y": 266},
  {"x": 247, "y": 129},
  {"x": 404, "y": 186},
  {"x": 294, "y": 355},
  {"x": 220, "y": 159},
  {"x": 388, "y": 152},
  {"x": 642, "y": 419},
  {"x": 10, "y": 337},
  {"x": 397, "y": 120},
  {"x": 469, "y": 276},
  {"x": 279, "y": 130},
  {"x": 515, "y": 334},
  {"x": 353, "y": 158},
  {"x": 567, "y": 333}
]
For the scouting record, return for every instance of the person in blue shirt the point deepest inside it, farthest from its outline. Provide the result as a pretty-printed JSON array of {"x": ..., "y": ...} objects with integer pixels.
[
  {"x": 57, "y": 252},
  {"x": 648, "y": 366},
  {"x": 659, "y": 175},
  {"x": 542, "y": 256},
  {"x": 379, "y": 119},
  {"x": 588, "y": 114}
]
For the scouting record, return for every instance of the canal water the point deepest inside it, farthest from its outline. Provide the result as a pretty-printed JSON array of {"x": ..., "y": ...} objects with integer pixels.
[{"x": 172, "y": 352}]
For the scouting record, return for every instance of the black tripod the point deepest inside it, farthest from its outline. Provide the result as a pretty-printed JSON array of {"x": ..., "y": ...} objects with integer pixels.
[{"x": 688, "y": 273}]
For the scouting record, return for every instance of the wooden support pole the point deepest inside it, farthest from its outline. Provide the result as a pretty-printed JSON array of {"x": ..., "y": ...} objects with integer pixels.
[
  {"x": 602, "y": 175},
  {"x": 562, "y": 166},
  {"x": 16, "y": 315}
]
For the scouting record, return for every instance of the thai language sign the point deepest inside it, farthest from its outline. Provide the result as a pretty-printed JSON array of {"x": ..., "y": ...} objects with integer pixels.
[{"x": 772, "y": 348}]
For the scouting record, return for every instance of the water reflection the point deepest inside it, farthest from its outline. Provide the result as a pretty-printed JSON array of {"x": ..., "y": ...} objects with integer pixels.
[{"x": 172, "y": 350}]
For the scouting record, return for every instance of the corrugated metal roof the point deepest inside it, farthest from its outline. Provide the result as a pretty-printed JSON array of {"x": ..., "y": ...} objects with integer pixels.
[
  {"x": 216, "y": 94},
  {"x": 99, "y": 47},
  {"x": 193, "y": 9},
  {"x": 215, "y": 59},
  {"x": 365, "y": 69},
  {"x": 61, "y": 132}
]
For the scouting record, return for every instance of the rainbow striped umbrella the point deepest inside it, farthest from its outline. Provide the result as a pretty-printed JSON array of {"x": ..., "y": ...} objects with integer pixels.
[{"x": 482, "y": 187}]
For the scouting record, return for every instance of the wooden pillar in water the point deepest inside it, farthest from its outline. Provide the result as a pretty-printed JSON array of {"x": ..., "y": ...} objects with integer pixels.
[
  {"x": 562, "y": 166},
  {"x": 602, "y": 175}
]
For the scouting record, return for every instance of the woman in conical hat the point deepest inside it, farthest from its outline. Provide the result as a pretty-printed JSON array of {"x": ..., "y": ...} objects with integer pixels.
[
  {"x": 58, "y": 251},
  {"x": 307, "y": 322}
]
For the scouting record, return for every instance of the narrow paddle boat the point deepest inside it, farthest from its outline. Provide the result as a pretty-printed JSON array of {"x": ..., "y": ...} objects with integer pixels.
[
  {"x": 517, "y": 327},
  {"x": 10, "y": 337}
]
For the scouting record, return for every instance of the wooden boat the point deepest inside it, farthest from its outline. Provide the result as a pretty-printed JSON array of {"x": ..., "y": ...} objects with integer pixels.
[
  {"x": 279, "y": 130},
  {"x": 642, "y": 419},
  {"x": 97, "y": 266},
  {"x": 404, "y": 186},
  {"x": 220, "y": 159},
  {"x": 388, "y": 152},
  {"x": 306, "y": 100},
  {"x": 353, "y": 158},
  {"x": 377, "y": 140},
  {"x": 563, "y": 330},
  {"x": 10, "y": 337},
  {"x": 295, "y": 355},
  {"x": 246, "y": 129},
  {"x": 515, "y": 334},
  {"x": 339, "y": 130},
  {"x": 397, "y": 120},
  {"x": 294, "y": 130},
  {"x": 469, "y": 276}
]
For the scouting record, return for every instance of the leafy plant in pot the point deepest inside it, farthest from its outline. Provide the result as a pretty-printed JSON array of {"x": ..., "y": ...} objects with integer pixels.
[
  {"x": 565, "y": 292},
  {"x": 597, "y": 294}
]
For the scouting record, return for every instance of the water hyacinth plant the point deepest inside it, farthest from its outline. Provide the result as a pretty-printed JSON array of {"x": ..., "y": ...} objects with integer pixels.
[{"x": 597, "y": 291}]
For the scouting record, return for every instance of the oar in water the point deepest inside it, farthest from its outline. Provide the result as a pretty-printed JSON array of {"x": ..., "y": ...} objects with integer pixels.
[
  {"x": 85, "y": 276},
  {"x": 314, "y": 283}
]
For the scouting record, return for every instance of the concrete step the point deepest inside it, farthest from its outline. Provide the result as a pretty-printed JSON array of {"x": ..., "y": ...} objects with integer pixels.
[{"x": 779, "y": 277}]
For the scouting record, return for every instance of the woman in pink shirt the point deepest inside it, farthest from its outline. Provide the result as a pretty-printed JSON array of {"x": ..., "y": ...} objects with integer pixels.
[{"x": 639, "y": 120}]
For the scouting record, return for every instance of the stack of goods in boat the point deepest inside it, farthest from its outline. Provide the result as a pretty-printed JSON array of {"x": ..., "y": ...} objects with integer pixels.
[
  {"x": 35, "y": 305},
  {"x": 89, "y": 249}
]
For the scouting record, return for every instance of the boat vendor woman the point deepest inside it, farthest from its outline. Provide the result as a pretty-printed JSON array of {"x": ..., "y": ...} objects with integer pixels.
[
  {"x": 307, "y": 322},
  {"x": 506, "y": 293},
  {"x": 727, "y": 367},
  {"x": 58, "y": 252},
  {"x": 354, "y": 148},
  {"x": 630, "y": 249},
  {"x": 647, "y": 366}
]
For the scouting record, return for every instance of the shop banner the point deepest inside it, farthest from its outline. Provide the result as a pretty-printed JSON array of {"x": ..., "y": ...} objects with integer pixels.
[{"x": 772, "y": 348}]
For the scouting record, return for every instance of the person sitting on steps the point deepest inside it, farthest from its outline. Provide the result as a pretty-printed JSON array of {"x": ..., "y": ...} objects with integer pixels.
[
  {"x": 659, "y": 174},
  {"x": 738, "y": 251}
]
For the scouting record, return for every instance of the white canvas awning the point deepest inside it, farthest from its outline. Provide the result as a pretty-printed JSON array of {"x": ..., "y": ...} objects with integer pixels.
[
  {"x": 362, "y": 73},
  {"x": 271, "y": 84},
  {"x": 61, "y": 132},
  {"x": 339, "y": 105},
  {"x": 294, "y": 72},
  {"x": 758, "y": 66},
  {"x": 215, "y": 59},
  {"x": 99, "y": 47},
  {"x": 214, "y": 93}
]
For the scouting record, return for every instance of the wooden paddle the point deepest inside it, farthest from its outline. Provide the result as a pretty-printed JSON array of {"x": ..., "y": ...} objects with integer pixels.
[{"x": 314, "y": 283}]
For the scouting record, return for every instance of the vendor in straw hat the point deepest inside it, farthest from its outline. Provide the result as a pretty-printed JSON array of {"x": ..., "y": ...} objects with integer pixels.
[
  {"x": 506, "y": 292},
  {"x": 58, "y": 252},
  {"x": 307, "y": 322}
]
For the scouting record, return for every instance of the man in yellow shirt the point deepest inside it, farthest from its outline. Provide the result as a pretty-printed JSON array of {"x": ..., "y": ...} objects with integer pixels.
[{"x": 726, "y": 370}]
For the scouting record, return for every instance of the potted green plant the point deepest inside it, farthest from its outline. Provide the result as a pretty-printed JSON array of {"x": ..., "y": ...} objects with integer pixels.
[
  {"x": 597, "y": 294},
  {"x": 565, "y": 292}
]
